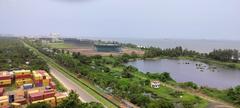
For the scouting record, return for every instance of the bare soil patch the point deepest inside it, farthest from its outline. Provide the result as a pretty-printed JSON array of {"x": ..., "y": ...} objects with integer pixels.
[{"x": 89, "y": 51}]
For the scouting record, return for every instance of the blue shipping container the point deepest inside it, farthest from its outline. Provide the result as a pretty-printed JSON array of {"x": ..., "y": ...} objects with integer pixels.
[
  {"x": 27, "y": 86},
  {"x": 11, "y": 98}
]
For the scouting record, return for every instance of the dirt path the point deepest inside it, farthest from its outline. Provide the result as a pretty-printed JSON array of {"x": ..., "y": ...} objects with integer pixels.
[{"x": 70, "y": 85}]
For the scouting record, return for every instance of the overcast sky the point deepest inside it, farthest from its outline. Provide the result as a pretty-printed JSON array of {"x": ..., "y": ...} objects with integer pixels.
[{"x": 188, "y": 19}]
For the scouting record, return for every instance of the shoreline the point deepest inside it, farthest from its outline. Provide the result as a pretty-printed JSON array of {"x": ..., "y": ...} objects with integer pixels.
[{"x": 226, "y": 65}]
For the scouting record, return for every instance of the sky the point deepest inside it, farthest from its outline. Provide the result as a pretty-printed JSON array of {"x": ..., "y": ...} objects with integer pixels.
[{"x": 184, "y": 19}]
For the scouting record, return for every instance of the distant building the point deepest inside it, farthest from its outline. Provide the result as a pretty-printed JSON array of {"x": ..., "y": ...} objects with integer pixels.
[
  {"x": 55, "y": 38},
  {"x": 155, "y": 84},
  {"x": 108, "y": 47},
  {"x": 80, "y": 42}
]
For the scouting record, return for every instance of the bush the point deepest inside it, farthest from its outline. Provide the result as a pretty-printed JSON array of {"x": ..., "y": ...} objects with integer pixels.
[
  {"x": 188, "y": 104},
  {"x": 189, "y": 85},
  {"x": 160, "y": 104},
  {"x": 39, "y": 105}
]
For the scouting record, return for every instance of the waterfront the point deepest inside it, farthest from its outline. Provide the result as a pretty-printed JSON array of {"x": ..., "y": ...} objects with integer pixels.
[{"x": 197, "y": 72}]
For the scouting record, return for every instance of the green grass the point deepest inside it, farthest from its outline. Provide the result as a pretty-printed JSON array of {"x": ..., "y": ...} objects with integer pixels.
[
  {"x": 59, "y": 86},
  {"x": 84, "y": 84},
  {"x": 162, "y": 92}
]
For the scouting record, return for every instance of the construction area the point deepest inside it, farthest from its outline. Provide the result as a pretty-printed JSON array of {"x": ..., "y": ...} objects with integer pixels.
[
  {"x": 30, "y": 87},
  {"x": 91, "y": 48},
  {"x": 91, "y": 51}
]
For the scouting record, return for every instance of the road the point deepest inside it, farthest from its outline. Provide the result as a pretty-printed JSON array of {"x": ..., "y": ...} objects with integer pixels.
[
  {"x": 77, "y": 84},
  {"x": 70, "y": 85}
]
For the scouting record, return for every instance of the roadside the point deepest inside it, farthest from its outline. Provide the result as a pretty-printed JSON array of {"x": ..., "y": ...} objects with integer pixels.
[{"x": 70, "y": 85}]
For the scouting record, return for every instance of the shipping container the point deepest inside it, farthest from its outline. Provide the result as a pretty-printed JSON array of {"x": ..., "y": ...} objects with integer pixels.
[
  {"x": 3, "y": 98},
  {"x": 1, "y": 91},
  {"x": 48, "y": 95},
  {"x": 38, "y": 101},
  {"x": 37, "y": 81},
  {"x": 5, "y": 77},
  {"x": 27, "y": 86},
  {"x": 52, "y": 85},
  {"x": 11, "y": 98},
  {"x": 51, "y": 101},
  {"x": 5, "y": 82},
  {"x": 23, "y": 76},
  {"x": 38, "y": 84},
  {"x": 20, "y": 82},
  {"x": 16, "y": 105},
  {"x": 49, "y": 90},
  {"x": 47, "y": 87},
  {"x": 19, "y": 93},
  {"x": 4, "y": 103},
  {"x": 31, "y": 91},
  {"x": 21, "y": 101},
  {"x": 21, "y": 72},
  {"x": 36, "y": 96}
]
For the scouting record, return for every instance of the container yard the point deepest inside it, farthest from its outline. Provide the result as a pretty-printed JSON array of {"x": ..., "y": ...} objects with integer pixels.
[{"x": 31, "y": 87}]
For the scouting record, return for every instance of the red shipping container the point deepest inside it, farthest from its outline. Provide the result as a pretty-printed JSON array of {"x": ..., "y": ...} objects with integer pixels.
[
  {"x": 1, "y": 91},
  {"x": 48, "y": 95},
  {"x": 23, "y": 76},
  {"x": 22, "y": 101},
  {"x": 36, "y": 96},
  {"x": 52, "y": 85},
  {"x": 50, "y": 90},
  {"x": 5, "y": 77}
]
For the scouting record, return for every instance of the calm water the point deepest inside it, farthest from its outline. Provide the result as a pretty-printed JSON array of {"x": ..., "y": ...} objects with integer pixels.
[
  {"x": 204, "y": 46},
  {"x": 203, "y": 75}
]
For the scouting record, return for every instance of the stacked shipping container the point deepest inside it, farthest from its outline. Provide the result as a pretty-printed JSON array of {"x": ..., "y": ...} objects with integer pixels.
[
  {"x": 23, "y": 77},
  {"x": 19, "y": 97},
  {"x": 44, "y": 91},
  {"x": 41, "y": 78},
  {"x": 4, "y": 102},
  {"x": 5, "y": 78}
]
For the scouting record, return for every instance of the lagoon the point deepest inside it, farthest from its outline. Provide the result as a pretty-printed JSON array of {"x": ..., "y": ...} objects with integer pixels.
[{"x": 187, "y": 70}]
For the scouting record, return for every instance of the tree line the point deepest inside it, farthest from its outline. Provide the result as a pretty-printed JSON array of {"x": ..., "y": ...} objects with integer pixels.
[
  {"x": 225, "y": 55},
  {"x": 14, "y": 55}
]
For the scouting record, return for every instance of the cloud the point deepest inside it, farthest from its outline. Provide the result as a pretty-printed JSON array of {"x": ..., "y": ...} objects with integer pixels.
[{"x": 74, "y": 1}]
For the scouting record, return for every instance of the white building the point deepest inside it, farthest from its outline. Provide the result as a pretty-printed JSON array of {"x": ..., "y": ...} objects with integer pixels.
[{"x": 155, "y": 84}]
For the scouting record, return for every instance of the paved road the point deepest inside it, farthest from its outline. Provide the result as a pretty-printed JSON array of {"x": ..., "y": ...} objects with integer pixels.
[{"x": 70, "y": 85}]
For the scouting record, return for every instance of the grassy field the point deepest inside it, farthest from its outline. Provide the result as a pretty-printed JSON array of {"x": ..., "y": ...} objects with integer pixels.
[
  {"x": 84, "y": 84},
  {"x": 164, "y": 91}
]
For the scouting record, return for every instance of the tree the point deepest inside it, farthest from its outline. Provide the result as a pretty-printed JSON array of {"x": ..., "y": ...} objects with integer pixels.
[
  {"x": 160, "y": 104},
  {"x": 72, "y": 101},
  {"x": 39, "y": 105},
  {"x": 91, "y": 105},
  {"x": 234, "y": 94}
]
